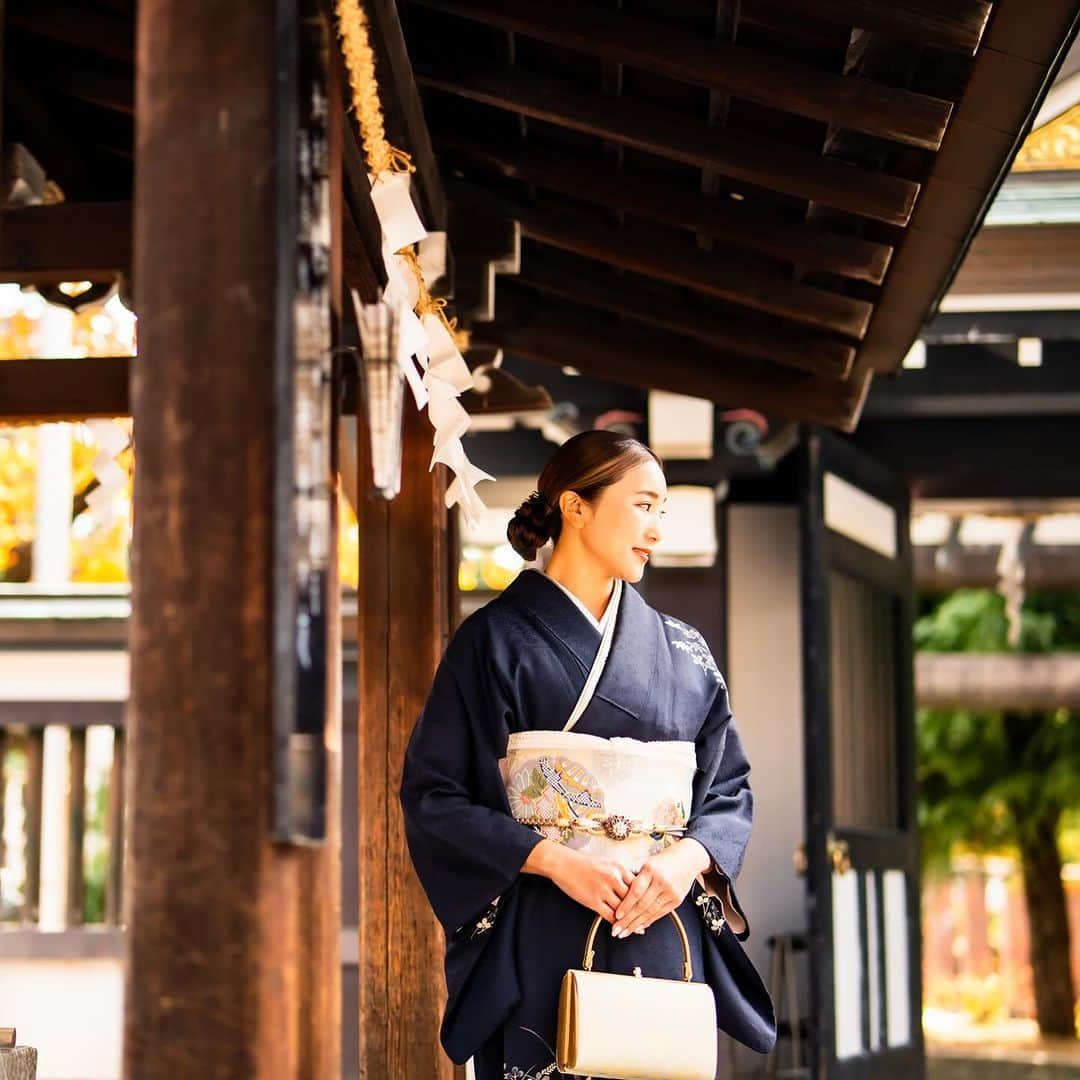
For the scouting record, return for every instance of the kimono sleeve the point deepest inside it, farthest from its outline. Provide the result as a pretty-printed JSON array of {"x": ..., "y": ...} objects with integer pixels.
[
  {"x": 465, "y": 848},
  {"x": 722, "y": 810}
]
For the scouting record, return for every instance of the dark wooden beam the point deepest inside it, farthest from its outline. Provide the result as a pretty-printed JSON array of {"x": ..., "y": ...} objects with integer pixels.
[
  {"x": 945, "y": 24},
  {"x": 1021, "y": 259},
  {"x": 681, "y": 315},
  {"x": 66, "y": 242},
  {"x": 404, "y": 554},
  {"x": 561, "y": 334},
  {"x": 774, "y": 81},
  {"x": 663, "y": 255},
  {"x": 362, "y": 260},
  {"x": 1000, "y": 457},
  {"x": 102, "y": 32},
  {"x": 230, "y": 965},
  {"x": 406, "y": 126},
  {"x": 107, "y": 87},
  {"x": 939, "y": 568},
  {"x": 64, "y": 389},
  {"x": 646, "y": 196},
  {"x": 989, "y": 682},
  {"x": 783, "y": 168},
  {"x": 988, "y": 386}
]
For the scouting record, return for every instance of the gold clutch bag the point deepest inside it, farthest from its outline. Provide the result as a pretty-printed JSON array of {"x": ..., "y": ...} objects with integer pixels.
[{"x": 628, "y": 1027}]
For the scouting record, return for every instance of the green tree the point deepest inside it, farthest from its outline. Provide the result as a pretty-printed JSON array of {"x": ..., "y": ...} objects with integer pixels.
[{"x": 993, "y": 780}]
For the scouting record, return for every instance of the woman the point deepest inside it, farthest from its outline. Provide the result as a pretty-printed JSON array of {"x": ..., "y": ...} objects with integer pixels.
[{"x": 527, "y": 817}]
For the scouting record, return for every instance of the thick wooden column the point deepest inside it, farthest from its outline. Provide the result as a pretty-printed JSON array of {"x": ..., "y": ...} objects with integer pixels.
[
  {"x": 402, "y": 627},
  {"x": 232, "y": 967}
]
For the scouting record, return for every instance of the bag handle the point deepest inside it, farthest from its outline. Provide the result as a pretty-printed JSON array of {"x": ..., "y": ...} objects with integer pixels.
[
  {"x": 600, "y": 660},
  {"x": 590, "y": 941}
]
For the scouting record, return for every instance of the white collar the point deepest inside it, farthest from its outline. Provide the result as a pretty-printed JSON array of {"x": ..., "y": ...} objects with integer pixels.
[{"x": 598, "y": 624}]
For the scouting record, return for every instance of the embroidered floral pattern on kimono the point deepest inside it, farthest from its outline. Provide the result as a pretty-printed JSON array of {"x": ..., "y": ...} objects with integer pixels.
[
  {"x": 693, "y": 644},
  {"x": 532, "y": 1072},
  {"x": 483, "y": 924},
  {"x": 712, "y": 913},
  {"x": 554, "y": 789}
]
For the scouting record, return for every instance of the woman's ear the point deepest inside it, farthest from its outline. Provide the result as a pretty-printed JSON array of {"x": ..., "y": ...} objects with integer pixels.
[{"x": 572, "y": 507}]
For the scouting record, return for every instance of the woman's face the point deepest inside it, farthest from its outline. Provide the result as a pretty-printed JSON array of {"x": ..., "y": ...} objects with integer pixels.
[{"x": 622, "y": 526}]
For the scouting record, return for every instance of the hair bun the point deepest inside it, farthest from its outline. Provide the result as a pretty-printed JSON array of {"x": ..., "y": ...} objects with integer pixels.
[{"x": 531, "y": 526}]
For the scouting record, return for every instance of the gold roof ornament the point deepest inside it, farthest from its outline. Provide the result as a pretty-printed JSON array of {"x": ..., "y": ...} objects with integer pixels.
[{"x": 1054, "y": 147}]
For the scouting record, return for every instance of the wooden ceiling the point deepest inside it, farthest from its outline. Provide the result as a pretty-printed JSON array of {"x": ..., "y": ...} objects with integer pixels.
[{"x": 757, "y": 202}]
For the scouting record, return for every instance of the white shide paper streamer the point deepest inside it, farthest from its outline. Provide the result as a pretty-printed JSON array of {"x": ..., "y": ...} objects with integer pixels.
[{"x": 430, "y": 361}]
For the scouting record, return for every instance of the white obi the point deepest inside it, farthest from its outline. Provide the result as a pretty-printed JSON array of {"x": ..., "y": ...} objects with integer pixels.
[{"x": 621, "y": 798}]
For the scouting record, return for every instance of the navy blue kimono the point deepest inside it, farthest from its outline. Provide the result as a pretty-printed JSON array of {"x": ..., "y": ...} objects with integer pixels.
[{"x": 519, "y": 663}]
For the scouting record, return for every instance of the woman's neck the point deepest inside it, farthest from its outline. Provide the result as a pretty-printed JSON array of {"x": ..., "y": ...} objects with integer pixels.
[{"x": 576, "y": 572}]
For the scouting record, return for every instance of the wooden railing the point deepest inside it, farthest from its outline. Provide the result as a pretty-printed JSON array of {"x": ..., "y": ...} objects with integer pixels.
[{"x": 23, "y": 749}]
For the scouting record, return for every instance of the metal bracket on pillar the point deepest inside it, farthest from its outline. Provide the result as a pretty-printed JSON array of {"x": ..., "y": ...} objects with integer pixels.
[{"x": 303, "y": 380}]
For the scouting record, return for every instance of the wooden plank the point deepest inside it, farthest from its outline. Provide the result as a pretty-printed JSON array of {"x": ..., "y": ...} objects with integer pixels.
[
  {"x": 1021, "y": 259},
  {"x": 647, "y": 196},
  {"x": 559, "y": 334},
  {"x": 944, "y": 570},
  {"x": 76, "y": 827},
  {"x": 221, "y": 951},
  {"x": 65, "y": 242},
  {"x": 957, "y": 25},
  {"x": 997, "y": 681},
  {"x": 401, "y": 989},
  {"x": 783, "y": 168},
  {"x": 771, "y": 80},
  {"x": 65, "y": 388},
  {"x": 33, "y": 791},
  {"x": 114, "y": 877},
  {"x": 804, "y": 351},
  {"x": 659, "y": 254}
]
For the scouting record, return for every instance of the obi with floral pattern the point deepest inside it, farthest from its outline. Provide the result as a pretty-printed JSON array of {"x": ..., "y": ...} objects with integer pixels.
[{"x": 620, "y": 798}]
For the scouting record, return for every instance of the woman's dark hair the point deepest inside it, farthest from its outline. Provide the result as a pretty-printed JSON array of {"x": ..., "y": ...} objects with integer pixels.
[{"x": 586, "y": 464}]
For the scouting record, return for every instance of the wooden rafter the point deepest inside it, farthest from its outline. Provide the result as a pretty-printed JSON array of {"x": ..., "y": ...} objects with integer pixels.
[
  {"x": 700, "y": 321},
  {"x": 774, "y": 81},
  {"x": 945, "y": 24},
  {"x": 661, "y": 255},
  {"x": 639, "y": 193},
  {"x": 562, "y": 334},
  {"x": 66, "y": 242},
  {"x": 110, "y": 88},
  {"x": 64, "y": 389},
  {"x": 783, "y": 168}
]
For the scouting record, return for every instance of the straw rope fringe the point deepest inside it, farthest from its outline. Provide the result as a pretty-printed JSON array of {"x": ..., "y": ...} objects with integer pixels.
[
  {"x": 360, "y": 62},
  {"x": 380, "y": 154}
]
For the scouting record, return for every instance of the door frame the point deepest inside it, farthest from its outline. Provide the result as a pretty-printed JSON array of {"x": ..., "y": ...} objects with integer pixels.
[{"x": 822, "y": 550}]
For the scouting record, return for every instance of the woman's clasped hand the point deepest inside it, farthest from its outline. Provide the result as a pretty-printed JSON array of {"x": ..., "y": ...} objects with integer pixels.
[{"x": 631, "y": 901}]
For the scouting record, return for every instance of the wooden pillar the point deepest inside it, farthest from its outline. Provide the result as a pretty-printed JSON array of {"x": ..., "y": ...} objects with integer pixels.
[
  {"x": 402, "y": 628},
  {"x": 232, "y": 964}
]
